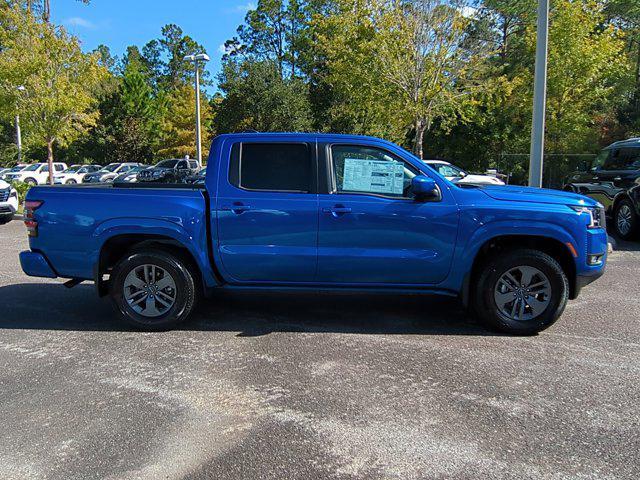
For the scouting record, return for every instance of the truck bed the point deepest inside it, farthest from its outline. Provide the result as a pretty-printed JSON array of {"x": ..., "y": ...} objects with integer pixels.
[{"x": 91, "y": 213}]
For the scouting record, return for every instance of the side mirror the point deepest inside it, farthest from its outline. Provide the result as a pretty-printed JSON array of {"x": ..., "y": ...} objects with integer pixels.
[{"x": 424, "y": 188}]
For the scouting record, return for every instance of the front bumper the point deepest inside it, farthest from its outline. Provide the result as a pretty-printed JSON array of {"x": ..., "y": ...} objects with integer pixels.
[
  {"x": 35, "y": 264},
  {"x": 596, "y": 245},
  {"x": 9, "y": 207}
]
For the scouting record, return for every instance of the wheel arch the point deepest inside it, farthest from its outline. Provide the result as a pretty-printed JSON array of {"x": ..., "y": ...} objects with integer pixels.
[
  {"x": 500, "y": 243},
  {"x": 117, "y": 246}
]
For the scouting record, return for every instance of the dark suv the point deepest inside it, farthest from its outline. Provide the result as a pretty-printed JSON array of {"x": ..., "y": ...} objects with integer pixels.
[
  {"x": 614, "y": 180},
  {"x": 170, "y": 171}
]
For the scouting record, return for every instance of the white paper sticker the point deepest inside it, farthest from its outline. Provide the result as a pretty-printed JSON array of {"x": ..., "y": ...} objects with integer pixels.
[{"x": 377, "y": 176}]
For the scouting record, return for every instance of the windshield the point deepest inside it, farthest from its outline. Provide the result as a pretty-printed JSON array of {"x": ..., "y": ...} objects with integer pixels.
[
  {"x": 135, "y": 170},
  {"x": 32, "y": 168},
  {"x": 16, "y": 169},
  {"x": 167, "y": 164},
  {"x": 111, "y": 167},
  {"x": 447, "y": 170},
  {"x": 72, "y": 169}
]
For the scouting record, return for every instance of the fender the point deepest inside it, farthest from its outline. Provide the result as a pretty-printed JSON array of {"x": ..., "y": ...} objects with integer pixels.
[
  {"x": 467, "y": 252},
  {"x": 195, "y": 241}
]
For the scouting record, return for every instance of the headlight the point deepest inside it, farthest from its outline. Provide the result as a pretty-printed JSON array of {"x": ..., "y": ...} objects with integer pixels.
[{"x": 597, "y": 218}]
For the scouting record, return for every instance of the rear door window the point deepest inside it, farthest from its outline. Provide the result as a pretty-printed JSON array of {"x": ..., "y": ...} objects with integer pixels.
[
  {"x": 272, "y": 167},
  {"x": 623, "y": 159}
]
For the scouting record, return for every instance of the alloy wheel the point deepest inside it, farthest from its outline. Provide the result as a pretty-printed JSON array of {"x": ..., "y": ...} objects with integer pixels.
[
  {"x": 623, "y": 219},
  {"x": 522, "y": 293},
  {"x": 149, "y": 290}
]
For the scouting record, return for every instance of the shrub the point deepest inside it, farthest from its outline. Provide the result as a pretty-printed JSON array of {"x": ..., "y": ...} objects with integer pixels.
[{"x": 22, "y": 189}]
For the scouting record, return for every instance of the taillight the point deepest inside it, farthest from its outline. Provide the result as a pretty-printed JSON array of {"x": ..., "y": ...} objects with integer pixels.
[{"x": 31, "y": 206}]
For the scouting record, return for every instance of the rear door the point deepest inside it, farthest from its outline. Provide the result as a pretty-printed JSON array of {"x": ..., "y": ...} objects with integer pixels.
[
  {"x": 618, "y": 174},
  {"x": 372, "y": 230},
  {"x": 267, "y": 212}
]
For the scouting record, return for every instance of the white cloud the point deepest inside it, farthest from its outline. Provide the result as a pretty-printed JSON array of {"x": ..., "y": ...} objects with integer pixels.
[
  {"x": 79, "y": 22},
  {"x": 245, "y": 7}
]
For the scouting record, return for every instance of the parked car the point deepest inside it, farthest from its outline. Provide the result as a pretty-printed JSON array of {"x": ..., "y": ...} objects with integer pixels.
[
  {"x": 74, "y": 174},
  {"x": 614, "y": 181},
  {"x": 198, "y": 178},
  {"x": 131, "y": 175},
  {"x": 35, "y": 174},
  {"x": 8, "y": 202},
  {"x": 16, "y": 169},
  {"x": 458, "y": 175},
  {"x": 109, "y": 173},
  {"x": 314, "y": 211},
  {"x": 3, "y": 171},
  {"x": 170, "y": 171}
]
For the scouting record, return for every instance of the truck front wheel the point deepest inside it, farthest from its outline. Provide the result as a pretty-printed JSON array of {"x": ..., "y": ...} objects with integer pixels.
[
  {"x": 521, "y": 292},
  {"x": 153, "y": 289}
]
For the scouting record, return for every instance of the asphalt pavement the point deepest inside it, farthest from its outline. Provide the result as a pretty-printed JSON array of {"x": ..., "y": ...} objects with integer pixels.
[{"x": 314, "y": 387}]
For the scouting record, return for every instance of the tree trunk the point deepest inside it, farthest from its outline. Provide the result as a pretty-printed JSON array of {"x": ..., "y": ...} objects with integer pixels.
[
  {"x": 417, "y": 142},
  {"x": 50, "y": 160},
  {"x": 46, "y": 13}
]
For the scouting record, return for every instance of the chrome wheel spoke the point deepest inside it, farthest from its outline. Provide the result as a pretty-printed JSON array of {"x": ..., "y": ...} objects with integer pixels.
[
  {"x": 537, "y": 306},
  {"x": 527, "y": 275},
  {"x": 522, "y": 293},
  {"x": 138, "y": 301},
  {"x": 150, "y": 308},
  {"x": 165, "y": 282},
  {"x": 149, "y": 290},
  {"x": 502, "y": 299}
]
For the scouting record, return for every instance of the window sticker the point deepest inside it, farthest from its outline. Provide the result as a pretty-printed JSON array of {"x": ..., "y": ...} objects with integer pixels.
[{"x": 374, "y": 176}]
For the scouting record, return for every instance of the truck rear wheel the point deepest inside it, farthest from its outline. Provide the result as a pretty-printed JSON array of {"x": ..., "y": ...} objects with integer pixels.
[
  {"x": 521, "y": 292},
  {"x": 153, "y": 290}
]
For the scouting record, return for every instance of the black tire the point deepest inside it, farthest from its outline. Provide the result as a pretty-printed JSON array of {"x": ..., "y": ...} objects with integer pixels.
[
  {"x": 625, "y": 206},
  {"x": 186, "y": 290},
  {"x": 30, "y": 181},
  {"x": 483, "y": 291},
  {"x": 5, "y": 219},
  {"x": 71, "y": 181}
]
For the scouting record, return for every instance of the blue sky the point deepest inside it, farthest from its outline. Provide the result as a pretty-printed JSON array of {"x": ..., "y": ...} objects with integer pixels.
[{"x": 119, "y": 23}]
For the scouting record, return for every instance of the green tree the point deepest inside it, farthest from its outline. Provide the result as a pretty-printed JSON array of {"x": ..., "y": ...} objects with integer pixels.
[
  {"x": 57, "y": 104},
  {"x": 177, "y": 128},
  {"x": 256, "y": 97}
]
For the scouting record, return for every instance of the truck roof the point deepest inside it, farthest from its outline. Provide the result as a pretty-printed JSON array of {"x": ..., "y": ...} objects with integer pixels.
[
  {"x": 629, "y": 142},
  {"x": 303, "y": 136}
]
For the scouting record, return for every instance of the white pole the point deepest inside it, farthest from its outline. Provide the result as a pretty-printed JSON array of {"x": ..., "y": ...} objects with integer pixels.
[
  {"x": 198, "y": 146},
  {"x": 539, "y": 96},
  {"x": 18, "y": 138}
]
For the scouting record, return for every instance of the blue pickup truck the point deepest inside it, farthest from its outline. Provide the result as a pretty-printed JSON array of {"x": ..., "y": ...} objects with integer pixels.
[{"x": 318, "y": 212}]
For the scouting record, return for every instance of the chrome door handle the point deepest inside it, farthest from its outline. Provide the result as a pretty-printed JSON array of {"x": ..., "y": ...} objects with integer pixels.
[
  {"x": 337, "y": 210},
  {"x": 236, "y": 208},
  {"x": 617, "y": 179}
]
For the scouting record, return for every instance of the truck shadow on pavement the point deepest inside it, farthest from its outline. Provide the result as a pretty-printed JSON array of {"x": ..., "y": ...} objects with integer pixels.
[{"x": 49, "y": 306}]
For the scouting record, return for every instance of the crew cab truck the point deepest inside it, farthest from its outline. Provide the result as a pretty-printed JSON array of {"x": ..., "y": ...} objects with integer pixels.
[{"x": 319, "y": 212}]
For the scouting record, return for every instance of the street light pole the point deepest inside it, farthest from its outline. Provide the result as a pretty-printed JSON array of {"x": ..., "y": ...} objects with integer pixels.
[
  {"x": 21, "y": 89},
  {"x": 18, "y": 138},
  {"x": 539, "y": 96},
  {"x": 195, "y": 59}
]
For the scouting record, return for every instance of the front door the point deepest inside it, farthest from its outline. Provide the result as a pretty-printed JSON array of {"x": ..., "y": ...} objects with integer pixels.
[
  {"x": 267, "y": 213},
  {"x": 373, "y": 231}
]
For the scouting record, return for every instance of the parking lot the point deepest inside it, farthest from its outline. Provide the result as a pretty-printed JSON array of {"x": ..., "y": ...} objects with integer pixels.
[{"x": 298, "y": 386}]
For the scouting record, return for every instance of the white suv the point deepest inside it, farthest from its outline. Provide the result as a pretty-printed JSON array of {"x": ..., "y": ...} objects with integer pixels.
[
  {"x": 16, "y": 169},
  {"x": 36, "y": 174},
  {"x": 8, "y": 202},
  {"x": 457, "y": 175},
  {"x": 74, "y": 174}
]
